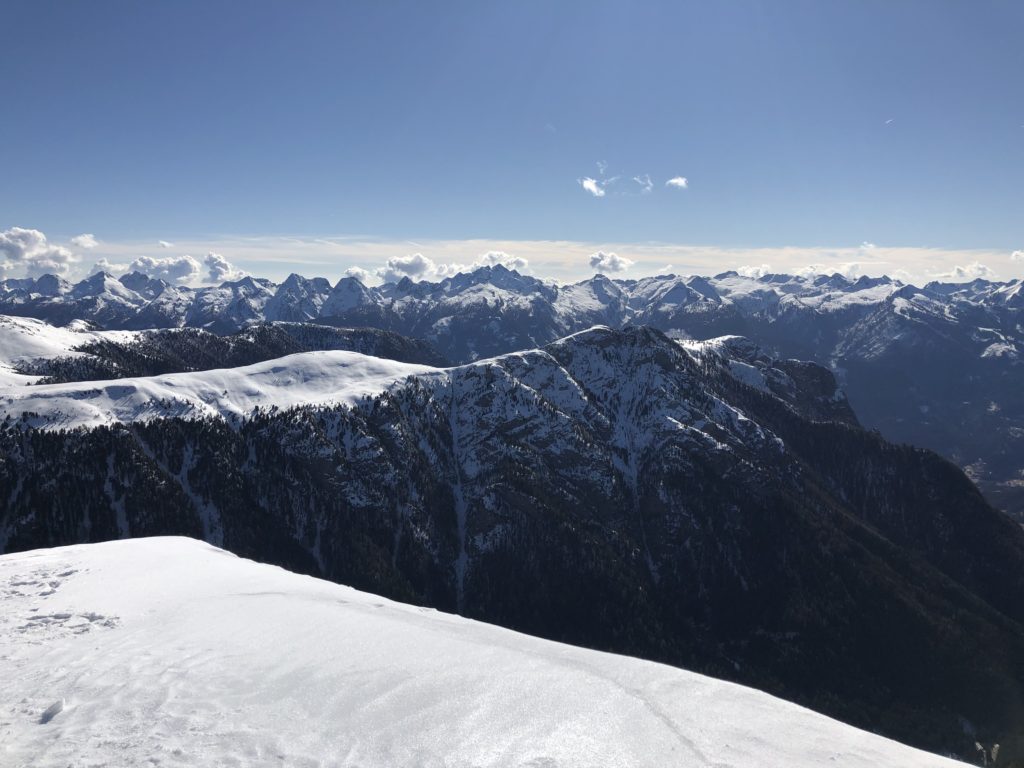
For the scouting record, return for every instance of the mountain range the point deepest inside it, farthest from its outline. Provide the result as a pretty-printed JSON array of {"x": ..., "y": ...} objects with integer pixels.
[
  {"x": 937, "y": 366},
  {"x": 719, "y": 508}
]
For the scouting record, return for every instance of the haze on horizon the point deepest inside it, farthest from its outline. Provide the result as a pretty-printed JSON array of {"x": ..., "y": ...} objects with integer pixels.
[{"x": 400, "y": 138}]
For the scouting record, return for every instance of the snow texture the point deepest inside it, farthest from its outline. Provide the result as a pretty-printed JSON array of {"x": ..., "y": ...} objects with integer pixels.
[
  {"x": 24, "y": 339},
  {"x": 168, "y": 651},
  {"x": 307, "y": 378}
]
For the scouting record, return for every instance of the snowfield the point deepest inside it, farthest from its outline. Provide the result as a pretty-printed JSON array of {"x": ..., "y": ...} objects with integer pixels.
[
  {"x": 24, "y": 339},
  {"x": 168, "y": 651},
  {"x": 307, "y": 378}
]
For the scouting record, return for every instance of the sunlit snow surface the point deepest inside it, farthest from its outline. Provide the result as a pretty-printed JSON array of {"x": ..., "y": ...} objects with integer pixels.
[
  {"x": 306, "y": 378},
  {"x": 23, "y": 339},
  {"x": 170, "y": 652}
]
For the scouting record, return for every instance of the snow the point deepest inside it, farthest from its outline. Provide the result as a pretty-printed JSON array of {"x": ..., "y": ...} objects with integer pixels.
[
  {"x": 169, "y": 651},
  {"x": 306, "y": 378},
  {"x": 23, "y": 339}
]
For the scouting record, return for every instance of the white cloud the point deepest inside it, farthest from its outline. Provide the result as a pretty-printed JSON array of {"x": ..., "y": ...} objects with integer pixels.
[
  {"x": 86, "y": 241},
  {"x": 646, "y": 185},
  {"x": 173, "y": 269},
  {"x": 1017, "y": 256},
  {"x": 849, "y": 269},
  {"x": 609, "y": 262},
  {"x": 360, "y": 274},
  {"x": 866, "y": 246},
  {"x": 593, "y": 186},
  {"x": 561, "y": 260},
  {"x": 104, "y": 265},
  {"x": 813, "y": 269},
  {"x": 679, "y": 182},
  {"x": 902, "y": 275},
  {"x": 752, "y": 271},
  {"x": 29, "y": 248},
  {"x": 493, "y": 258},
  {"x": 220, "y": 269},
  {"x": 164, "y": 244},
  {"x": 415, "y": 266},
  {"x": 418, "y": 267},
  {"x": 972, "y": 271},
  {"x": 602, "y": 167}
]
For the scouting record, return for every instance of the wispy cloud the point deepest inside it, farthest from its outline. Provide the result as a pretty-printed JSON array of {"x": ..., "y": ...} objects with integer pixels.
[
  {"x": 973, "y": 271},
  {"x": 752, "y": 271},
  {"x": 164, "y": 244},
  {"x": 646, "y": 185},
  {"x": 86, "y": 241},
  {"x": 679, "y": 182},
  {"x": 1017, "y": 256}
]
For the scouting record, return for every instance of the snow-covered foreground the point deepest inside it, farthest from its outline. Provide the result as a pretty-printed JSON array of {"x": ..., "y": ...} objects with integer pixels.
[
  {"x": 168, "y": 651},
  {"x": 301, "y": 379}
]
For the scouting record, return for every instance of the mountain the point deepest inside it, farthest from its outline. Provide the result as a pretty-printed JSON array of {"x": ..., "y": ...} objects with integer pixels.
[
  {"x": 938, "y": 366},
  {"x": 169, "y": 650},
  {"x": 25, "y": 341},
  {"x": 300, "y": 379},
  {"x": 297, "y": 299},
  {"x": 719, "y": 509},
  {"x": 230, "y": 306},
  {"x": 35, "y": 352}
]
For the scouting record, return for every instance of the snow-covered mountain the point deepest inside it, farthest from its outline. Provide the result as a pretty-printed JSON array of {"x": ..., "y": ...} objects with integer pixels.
[
  {"x": 719, "y": 510},
  {"x": 24, "y": 340},
  {"x": 938, "y": 366},
  {"x": 169, "y": 651},
  {"x": 34, "y": 352},
  {"x": 307, "y": 378}
]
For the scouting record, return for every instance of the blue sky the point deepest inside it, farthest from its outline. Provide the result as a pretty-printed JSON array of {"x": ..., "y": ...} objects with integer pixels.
[{"x": 807, "y": 128}]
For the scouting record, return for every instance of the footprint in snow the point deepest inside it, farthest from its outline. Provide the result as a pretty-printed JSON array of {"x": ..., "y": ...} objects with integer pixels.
[{"x": 51, "y": 711}]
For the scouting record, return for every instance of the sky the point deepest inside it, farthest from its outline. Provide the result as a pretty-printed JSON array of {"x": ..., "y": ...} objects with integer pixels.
[{"x": 863, "y": 136}]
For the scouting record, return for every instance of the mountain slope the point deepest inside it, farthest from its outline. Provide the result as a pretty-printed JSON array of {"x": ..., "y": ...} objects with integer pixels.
[
  {"x": 300, "y": 379},
  {"x": 85, "y": 356},
  {"x": 939, "y": 366},
  {"x": 168, "y": 650},
  {"x": 712, "y": 523}
]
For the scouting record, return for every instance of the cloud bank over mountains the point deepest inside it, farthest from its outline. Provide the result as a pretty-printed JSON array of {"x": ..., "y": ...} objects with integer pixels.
[{"x": 30, "y": 252}]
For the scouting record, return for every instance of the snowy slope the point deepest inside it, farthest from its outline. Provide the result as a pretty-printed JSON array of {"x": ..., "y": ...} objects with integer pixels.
[
  {"x": 304, "y": 378},
  {"x": 23, "y": 339},
  {"x": 168, "y": 651}
]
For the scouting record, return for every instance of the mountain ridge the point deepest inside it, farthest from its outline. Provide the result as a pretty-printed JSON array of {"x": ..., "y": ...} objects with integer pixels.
[
  {"x": 938, "y": 366},
  {"x": 714, "y": 524}
]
